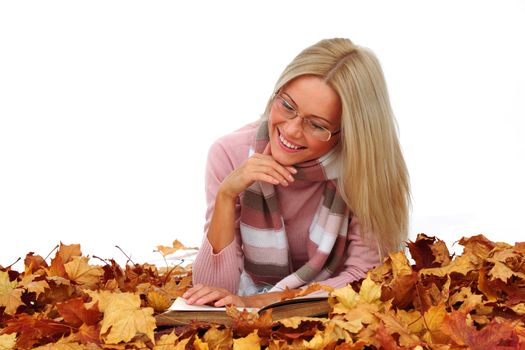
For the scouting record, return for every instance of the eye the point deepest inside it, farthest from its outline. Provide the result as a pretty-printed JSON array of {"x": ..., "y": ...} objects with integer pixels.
[
  {"x": 314, "y": 125},
  {"x": 286, "y": 105}
]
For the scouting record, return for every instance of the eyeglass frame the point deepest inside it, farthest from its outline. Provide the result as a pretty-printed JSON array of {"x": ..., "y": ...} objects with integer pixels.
[{"x": 293, "y": 110}]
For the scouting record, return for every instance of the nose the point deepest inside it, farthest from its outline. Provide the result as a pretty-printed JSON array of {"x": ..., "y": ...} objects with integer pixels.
[{"x": 294, "y": 127}]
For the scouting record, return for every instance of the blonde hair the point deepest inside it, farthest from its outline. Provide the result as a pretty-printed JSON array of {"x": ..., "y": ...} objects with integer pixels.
[{"x": 373, "y": 177}]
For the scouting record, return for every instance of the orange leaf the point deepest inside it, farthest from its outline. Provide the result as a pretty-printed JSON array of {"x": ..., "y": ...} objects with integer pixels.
[
  {"x": 67, "y": 252},
  {"x": 75, "y": 313}
]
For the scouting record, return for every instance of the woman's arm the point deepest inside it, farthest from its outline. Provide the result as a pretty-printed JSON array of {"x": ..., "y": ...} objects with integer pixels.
[
  {"x": 362, "y": 255},
  {"x": 219, "y": 262}
]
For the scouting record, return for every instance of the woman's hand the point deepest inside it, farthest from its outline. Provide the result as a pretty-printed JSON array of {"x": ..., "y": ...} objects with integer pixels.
[
  {"x": 201, "y": 294},
  {"x": 258, "y": 167}
]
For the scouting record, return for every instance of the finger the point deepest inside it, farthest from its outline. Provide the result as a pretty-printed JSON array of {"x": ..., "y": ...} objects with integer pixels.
[
  {"x": 210, "y": 297},
  {"x": 285, "y": 171},
  {"x": 273, "y": 172},
  {"x": 227, "y": 300},
  {"x": 192, "y": 290},
  {"x": 198, "y": 294}
]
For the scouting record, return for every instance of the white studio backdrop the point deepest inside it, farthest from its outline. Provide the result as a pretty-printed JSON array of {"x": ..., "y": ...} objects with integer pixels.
[{"x": 108, "y": 108}]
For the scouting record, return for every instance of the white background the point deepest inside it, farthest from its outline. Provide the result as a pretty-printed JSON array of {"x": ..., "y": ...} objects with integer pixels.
[{"x": 107, "y": 110}]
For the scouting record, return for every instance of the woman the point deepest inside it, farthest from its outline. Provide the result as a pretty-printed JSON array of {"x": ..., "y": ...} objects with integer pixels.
[{"x": 316, "y": 191}]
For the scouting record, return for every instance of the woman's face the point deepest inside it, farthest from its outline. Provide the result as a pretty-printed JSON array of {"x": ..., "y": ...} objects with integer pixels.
[{"x": 312, "y": 98}]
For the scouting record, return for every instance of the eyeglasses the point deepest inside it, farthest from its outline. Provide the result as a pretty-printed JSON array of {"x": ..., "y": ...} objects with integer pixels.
[{"x": 311, "y": 125}]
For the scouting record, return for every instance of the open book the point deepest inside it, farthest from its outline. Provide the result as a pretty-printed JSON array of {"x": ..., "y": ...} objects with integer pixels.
[{"x": 181, "y": 313}]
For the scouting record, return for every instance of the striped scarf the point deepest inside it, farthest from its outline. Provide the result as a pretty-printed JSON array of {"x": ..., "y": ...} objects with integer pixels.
[{"x": 265, "y": 245}]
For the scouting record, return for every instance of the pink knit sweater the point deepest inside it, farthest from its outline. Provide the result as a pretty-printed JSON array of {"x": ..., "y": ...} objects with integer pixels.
[{"x": 298, "y": 203}]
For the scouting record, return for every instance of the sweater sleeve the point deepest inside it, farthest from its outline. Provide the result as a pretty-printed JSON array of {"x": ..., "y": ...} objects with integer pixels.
[
  {"x": 222, "y": 269},
  {"x": 362, "y": 255}
]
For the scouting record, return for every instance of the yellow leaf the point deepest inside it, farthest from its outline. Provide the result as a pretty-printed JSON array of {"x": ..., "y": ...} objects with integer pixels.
[
  {"x": 67, "y": 252},
  {"x": 295, "y": 321},
  {"x": 346, "y": 296},
  {"x": 198, "y": 344},
  {"x": 400, "y": 264},
  {"x": 37, "y": 287},
  {"x": 219, "y": 338},
  {"x": 103, "y": 298},
  {"x": 166, "y": 342},
  {"x": 370, "y": 291},
  {"x": 434, "y": 321},
  {"x": 323, "y": 338},
  {"x": 250, "y": 342},
  {"x": 158, "y": 301},
  {"x": 7, "y": 341},
  {"x": 10, "y": 297},
  {"x": 81, "y": 272},
  {"x": 124, "y": 319},
  {"x": 502, "y": 272}
]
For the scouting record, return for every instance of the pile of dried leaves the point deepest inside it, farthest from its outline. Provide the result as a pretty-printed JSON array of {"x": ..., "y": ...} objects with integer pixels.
[{"x": 472, "y": 301}]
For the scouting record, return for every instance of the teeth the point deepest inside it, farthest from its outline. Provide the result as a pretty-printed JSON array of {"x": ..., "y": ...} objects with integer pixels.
[{"x": 286, "y": 143}]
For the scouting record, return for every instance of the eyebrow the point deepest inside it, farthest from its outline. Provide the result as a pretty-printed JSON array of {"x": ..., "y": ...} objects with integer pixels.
[{"x": 311, "y": 115}]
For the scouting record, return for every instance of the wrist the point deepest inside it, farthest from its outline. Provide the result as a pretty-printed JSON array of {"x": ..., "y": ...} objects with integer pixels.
[{"x": 226, "y": 196}]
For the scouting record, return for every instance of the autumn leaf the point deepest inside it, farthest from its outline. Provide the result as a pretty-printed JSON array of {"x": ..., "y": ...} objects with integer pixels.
[
  {"x": 175, "y": 247},
  {"x": 7, "y": 341},
  {"x": 251, "y": 342},
  {"x": 158, "y": 301},
  {"x": 68, "y": 252},
  {"x": 219, "y": 339},
  {"x": 75, "y": 313},
  {"x": 124, "y": 319},
  {"x": 79, "y": 270},
  {"x": 10, "y": 297},
  {"x": 32, "y": 329}
]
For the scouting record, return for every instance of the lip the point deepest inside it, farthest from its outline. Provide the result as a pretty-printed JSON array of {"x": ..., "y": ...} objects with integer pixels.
[{"x": 285, "y": 148}]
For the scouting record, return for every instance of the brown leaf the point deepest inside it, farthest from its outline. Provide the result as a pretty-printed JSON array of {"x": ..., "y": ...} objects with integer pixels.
[
  {"x": 31, "y": 329},
  {"x": 88, "y": 334},
  {"x": 75, "y": 313},
  {"x": 10, "y": 296},
  {"x": 33, "y": 263}
]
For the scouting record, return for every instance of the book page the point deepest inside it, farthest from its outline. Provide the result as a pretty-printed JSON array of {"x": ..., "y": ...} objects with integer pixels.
[{"x": 180, "y": 304}]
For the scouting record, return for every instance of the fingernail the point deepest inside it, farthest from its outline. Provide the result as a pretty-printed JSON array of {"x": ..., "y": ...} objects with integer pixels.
[
  {"x": 293, "y": 170},
  {"x": 290, "y": 177}
]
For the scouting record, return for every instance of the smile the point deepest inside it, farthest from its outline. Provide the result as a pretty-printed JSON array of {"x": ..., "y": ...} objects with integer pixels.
[{"x": 288, "y": 144}]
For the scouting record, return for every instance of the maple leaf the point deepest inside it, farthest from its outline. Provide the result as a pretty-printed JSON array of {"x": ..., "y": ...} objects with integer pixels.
[
  {"x": 33, "y": 263},
  {"x": 79, "y": 270},
  {"x": 493, "y": 336},
  {"x": 31, "y": 329},
  {"x": 396, "y": 326},
  {"x": 38, "y": 287},
  {"x": 57, "y": 267},
  {"x": 10, "y": 297},
  {"x": 503, "y": 272},
  {"x": 68, "y": 252},
  {"x": 428, "y": 252},
  {"x": 124, "y": 319},
  {"x": 158, "y": 301},
  {"x": 75, "y": 313},
  {"x": 323, "y": 339},
  {"x": 219, "y": 339},
  {"x": 88, "y": 334},
  {"x": 175, "y": 247},
  {"x": 7, "y": 341},
  {"x": 176, "y": 288},
  {"x": 166, "y": 342},
  {"x": 251, "y": 342}
]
